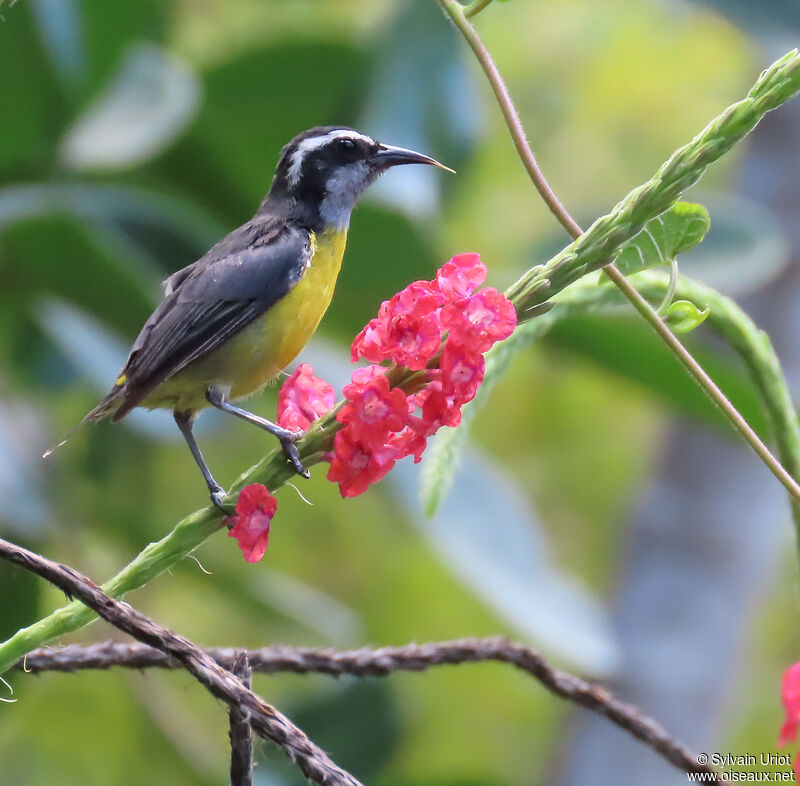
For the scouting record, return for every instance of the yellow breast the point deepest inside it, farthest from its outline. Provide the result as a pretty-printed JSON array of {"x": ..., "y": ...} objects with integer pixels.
[
  {"x": 254, "y": 357},
  {"x": 286, "y": 328}
]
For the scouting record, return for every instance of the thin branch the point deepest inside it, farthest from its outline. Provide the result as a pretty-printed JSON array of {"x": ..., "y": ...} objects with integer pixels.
[
  {"x": 266, "y": 721},
  {"x": 460, "y": 18},
  {"x": 381, "y": 662},
  {"x": 456, "y": 12},
  {"x": 241, "y": 735}
]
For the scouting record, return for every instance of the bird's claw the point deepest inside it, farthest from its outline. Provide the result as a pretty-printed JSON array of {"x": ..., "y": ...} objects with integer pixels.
[
  {"x": 293, "y": 454},
  {"x": 217, "y": 496}
]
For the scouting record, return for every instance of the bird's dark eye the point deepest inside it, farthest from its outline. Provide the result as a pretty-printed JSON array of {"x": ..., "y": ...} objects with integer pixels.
[{"x": 346, "y": 145}]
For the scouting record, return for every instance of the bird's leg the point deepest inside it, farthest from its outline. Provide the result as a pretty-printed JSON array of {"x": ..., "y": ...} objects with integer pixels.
[
  {"x": 185, "y": 421},
  {"x": 218, "y": 398}
]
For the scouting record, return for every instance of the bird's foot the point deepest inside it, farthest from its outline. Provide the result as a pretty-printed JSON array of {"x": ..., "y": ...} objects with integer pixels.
[
  {"x": 218, "y": 494},
  {"x": 288, "y": 440}
]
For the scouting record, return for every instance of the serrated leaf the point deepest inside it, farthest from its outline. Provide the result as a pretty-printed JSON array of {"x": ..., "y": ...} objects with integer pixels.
[
  {"x": 680, "y": 229},
  {"x": 683, "y": 316}
]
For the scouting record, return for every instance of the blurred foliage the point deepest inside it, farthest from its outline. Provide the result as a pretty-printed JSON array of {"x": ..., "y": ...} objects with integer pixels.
[{"x": 95, "y": 209}]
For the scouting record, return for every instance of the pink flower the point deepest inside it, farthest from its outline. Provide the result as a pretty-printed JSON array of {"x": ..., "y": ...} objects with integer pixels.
[
  {"x": 254, "y": 511},
  {"x": 790, "y": 696},
  {"x": 354, "y": 466},
  {"x": 406, "y": 329},
  {"x": 369, "y": 342},
  {"x": 438, "y": 409},
  {"x": 481, "y": 320},
  {"x": 414, "y": 343},
  {"x": 413, "y": 335},
  {"x": 361, "y": 378},
  {"x": 418, "y": 299},
  {"x": 461, "y": 276},
  {"x": 303, "y": 398},
  {"x": 411, "y": 441},
  {"x": 373, "y": 409},
  {"x": 462, "y": 371}
]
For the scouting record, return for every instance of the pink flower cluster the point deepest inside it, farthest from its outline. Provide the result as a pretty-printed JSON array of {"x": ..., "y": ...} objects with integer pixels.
[
  {"x": 383, "y": 424},
  {"x": 448, "y": 317}
]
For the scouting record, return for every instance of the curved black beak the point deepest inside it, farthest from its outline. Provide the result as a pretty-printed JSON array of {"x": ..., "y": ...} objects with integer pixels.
[{"x": 389, "y": 155}]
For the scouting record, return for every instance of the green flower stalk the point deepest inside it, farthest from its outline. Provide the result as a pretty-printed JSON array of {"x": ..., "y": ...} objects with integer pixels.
[{"x": 597, "y": 246}]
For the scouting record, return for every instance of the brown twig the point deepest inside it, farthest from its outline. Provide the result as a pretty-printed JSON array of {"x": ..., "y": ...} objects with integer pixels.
[
  {"x": 241, "y": 735},
  {"x": 384, "y": 661},
  {"x": 265, "y": 720}
]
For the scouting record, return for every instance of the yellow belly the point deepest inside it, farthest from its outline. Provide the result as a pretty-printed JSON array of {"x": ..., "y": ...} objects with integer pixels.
[{"x": 256, "y": 355}]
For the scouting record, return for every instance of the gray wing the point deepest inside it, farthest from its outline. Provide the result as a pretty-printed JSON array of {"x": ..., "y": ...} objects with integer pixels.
[{"x": 210, "y": 301}]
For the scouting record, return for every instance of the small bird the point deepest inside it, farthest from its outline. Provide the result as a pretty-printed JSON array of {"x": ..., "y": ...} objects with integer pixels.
[{"x": 233, "y": 320}]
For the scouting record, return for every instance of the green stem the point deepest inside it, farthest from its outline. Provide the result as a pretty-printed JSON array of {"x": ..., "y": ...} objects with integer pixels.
[
  {"x": 755, "y": 348},
  {"x": 698, "y": 373},
  {"x": 750, "y": 342},
  {"x": 475, "y": 8},
  {"x": 459, "y": 16},
  {"x": 592, "y": 250},
  {"x": 669, "y": 296}
]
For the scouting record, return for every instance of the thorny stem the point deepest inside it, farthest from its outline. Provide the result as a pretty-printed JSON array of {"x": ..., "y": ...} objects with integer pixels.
[{"x": 459, "y": 14}]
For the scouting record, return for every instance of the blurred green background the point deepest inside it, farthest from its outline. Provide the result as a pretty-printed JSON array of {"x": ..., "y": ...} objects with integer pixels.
[{"x": 138, "y": 132}]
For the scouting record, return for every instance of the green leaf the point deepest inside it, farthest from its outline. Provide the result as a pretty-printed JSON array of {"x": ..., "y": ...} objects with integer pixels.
[
  {"x": 683, "y": 316},
  {"x": 30, "y": 130},
  {"x": 680, "y": 229},
  {"x": 108, "y": 29}
]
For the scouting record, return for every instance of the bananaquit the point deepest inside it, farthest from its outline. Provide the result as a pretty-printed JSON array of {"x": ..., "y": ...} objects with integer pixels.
[{"x": 232, "y": 320}]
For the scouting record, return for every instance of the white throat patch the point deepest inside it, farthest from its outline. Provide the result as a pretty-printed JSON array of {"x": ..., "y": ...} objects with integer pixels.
[{"x": 314, "y": 143}]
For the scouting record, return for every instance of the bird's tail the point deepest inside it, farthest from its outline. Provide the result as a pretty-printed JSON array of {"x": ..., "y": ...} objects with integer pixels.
[{"x": 107, "y": 407}]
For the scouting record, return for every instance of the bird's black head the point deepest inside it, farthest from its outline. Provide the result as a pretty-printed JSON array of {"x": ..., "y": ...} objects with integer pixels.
[{"x": 322, "y": 173}]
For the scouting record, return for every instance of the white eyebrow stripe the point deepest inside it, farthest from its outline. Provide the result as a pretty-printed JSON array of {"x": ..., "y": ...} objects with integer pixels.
[{"x": 315, "y": 142}]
